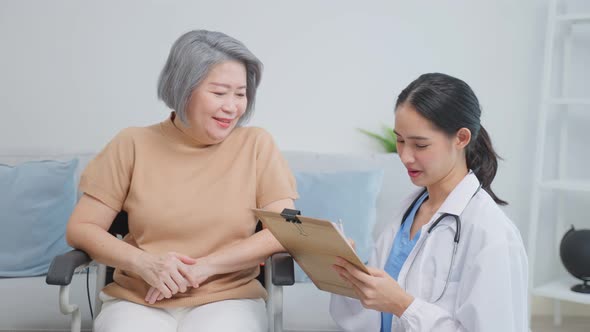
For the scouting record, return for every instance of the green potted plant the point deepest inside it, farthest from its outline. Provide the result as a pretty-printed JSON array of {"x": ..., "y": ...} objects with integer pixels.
[{"x": 388, "y": 139}]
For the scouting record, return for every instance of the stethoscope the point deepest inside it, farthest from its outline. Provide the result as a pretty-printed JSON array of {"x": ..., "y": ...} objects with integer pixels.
[{"x": 456, "y": 239}]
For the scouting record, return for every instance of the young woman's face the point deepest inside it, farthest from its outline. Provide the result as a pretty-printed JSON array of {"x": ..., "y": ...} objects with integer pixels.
[
  {"x": 217, "y": 103},
  {"x": 429, "y": 154}
]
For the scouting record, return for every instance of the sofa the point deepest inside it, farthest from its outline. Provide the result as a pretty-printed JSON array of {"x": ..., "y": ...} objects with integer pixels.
[{"x": 29, "y": 304}]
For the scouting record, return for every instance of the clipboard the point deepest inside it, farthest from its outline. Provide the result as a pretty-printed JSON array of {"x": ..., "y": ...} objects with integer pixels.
[{"x": 314, "y": 245}]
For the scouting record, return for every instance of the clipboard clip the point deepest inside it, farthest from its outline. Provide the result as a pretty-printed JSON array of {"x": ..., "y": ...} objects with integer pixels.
[{"x": 290, "y": 215}]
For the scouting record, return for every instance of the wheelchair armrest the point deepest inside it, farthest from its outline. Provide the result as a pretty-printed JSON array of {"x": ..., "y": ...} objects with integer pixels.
[
  {"x": 283, "y": 272},
  {"x": 63, "y": 266}
]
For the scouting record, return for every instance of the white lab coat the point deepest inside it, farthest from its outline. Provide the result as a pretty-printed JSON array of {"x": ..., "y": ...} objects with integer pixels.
[{"x": 488, "y": 283}]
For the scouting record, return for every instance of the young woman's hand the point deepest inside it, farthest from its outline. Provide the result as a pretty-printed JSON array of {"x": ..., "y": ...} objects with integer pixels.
[
  {"x": 377, "y": 291},
  {"x": 165, "y": 272},
  {"x": 194, "y": 275}
]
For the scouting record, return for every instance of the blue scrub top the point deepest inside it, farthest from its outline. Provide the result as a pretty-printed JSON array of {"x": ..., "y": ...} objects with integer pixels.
[{"x": 401, "y": 248}]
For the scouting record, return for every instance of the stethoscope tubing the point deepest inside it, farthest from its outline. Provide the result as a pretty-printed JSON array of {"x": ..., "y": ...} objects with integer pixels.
[
  {"x": 456, "y": 239},
  {"x": 455, "y": 245}
]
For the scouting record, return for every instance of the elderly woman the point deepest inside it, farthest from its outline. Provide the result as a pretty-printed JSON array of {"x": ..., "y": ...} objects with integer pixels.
[{"x": 191, "y": 257}]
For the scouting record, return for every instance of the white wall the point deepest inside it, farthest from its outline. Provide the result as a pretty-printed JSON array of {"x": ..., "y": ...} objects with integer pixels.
[{"x": 73, "y": 73}]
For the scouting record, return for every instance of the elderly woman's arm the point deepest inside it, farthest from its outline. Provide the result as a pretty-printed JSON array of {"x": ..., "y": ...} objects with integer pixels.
[
  {"x": 87, "y": 230},
  {"x": 248, "y": 252},
  {"x": 242, "y": 255}
]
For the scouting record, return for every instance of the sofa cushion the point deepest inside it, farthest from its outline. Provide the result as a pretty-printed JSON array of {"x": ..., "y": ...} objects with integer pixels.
[
  {"x": 36, "y": 200},
  {"x": 350, "y": 196},
  {"x": 396, "y": 182}
]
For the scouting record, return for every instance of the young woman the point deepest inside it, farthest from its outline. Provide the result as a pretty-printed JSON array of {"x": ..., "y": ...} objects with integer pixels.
[{"x": 452, "y": 260}]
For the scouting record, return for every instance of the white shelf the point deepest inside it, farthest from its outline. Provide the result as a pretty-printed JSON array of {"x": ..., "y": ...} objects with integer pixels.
[
  {"x": 561, "y": 289},
  {"x": 569, "y": 101},
  {"x": 567, "y": 185},
  {"x": 573, "y": 18},
  {"x": 558, "y": 58}
]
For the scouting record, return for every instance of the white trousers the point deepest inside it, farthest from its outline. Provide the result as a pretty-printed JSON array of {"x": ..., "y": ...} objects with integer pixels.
[{"x": 248, "y": 315}]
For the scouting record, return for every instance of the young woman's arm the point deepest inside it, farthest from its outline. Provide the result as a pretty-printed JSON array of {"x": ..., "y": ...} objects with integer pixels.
[{"x": 491, "y": 296}]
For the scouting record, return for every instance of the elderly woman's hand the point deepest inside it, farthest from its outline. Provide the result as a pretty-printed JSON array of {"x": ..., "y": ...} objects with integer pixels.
[
  {"x": 164, "y": 272},
  {"x": 195, "y": 275}
]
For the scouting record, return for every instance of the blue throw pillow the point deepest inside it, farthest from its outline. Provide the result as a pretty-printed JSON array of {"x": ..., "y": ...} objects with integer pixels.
[
  {"x": 347, "y": 195},
  {"x": 36, "y": 201}
]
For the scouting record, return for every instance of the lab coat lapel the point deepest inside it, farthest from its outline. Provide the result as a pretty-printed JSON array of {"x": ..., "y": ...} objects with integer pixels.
[
  {"x": 460, "y": 196},
  {"x": 455, "y": 203}
]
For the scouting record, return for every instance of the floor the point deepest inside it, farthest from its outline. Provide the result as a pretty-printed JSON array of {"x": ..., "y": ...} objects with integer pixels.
[
  {"x": 569, "y": 324},
  {"x": 539, "y": 324}
]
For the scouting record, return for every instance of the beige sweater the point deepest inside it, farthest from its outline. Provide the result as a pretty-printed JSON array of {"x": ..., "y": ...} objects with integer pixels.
[{"x": 184, "y": 197}]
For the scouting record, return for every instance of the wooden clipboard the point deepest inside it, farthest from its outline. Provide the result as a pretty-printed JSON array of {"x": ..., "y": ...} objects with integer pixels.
[{"x": 314, "y": 245}]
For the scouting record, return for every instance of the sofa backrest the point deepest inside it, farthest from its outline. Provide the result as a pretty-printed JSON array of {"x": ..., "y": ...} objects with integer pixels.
[
  {"x": 396, "y": 183},
  {"x": 9, "y": 158}
]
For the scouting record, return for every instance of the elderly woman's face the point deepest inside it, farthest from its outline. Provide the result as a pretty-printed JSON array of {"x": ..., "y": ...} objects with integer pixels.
[{"x": 218, "y": 102}]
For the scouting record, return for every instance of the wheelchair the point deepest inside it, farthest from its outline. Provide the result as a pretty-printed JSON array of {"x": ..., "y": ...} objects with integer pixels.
[{"x": 277, "y": 271}]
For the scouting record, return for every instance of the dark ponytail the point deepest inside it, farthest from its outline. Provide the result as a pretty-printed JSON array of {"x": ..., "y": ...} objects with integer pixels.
[
  {"x": 450, "y": 104},
  {"x": 483, "y": 160}
]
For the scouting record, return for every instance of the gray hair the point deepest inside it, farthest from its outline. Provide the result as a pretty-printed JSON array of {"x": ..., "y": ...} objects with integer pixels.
[{"x": 189, "y": 62}]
